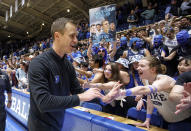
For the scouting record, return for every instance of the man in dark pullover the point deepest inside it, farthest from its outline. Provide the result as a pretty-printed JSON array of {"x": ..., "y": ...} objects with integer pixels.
[{"x": 52, "y": 81}]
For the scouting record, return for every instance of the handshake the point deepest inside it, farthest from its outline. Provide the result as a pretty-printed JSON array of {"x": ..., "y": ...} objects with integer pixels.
[{"x": 115, "y": 93}]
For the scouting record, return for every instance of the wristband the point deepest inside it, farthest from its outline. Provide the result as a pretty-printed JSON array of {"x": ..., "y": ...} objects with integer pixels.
[
  {"x": 151, "y": 89},
  {"x": 128, "y": 92},
  {"x": 148, "y": 116}
]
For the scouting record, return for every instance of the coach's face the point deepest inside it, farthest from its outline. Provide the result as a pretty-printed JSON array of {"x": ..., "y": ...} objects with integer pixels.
[{"x": 68, "y": 39}]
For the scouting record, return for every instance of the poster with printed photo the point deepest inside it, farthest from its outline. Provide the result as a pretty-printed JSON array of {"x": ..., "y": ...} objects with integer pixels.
[{"x": 103, "y": 23}]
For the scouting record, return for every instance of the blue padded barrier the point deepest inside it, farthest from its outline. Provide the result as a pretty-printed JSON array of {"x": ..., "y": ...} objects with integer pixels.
[
  {"x": 93, "y": 106},
  {"x": 105, "y": 124},
  {"x": 13, "y": 125},
  {"x": 76, "y": 120},
  {"x": 84, "y": 121},
  {"x": 133, "y": 113},
  {"x": 20, "y": 106},
  {"x": 142, "y": 115},
  {"x": 156, "y": 119}
]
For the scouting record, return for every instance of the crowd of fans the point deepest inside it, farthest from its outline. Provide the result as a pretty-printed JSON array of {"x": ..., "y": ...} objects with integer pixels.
[
  {"x": 135, "y": 14},
  {"x": 128, "y": 16},
  {"x": 103, "y": 64}
]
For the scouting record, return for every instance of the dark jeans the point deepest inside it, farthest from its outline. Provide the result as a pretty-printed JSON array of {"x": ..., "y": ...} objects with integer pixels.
[
  {"x": 2, "y": 118},
  {"x": 184, "y": 125}
]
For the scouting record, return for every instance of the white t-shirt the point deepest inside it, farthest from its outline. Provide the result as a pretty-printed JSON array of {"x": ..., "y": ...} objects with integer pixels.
[
  {"x": 170, "y": 43},
  {"x": 166, "y": 107}
]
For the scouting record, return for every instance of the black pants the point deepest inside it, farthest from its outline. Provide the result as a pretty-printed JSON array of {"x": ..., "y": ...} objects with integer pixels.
[
  {"x": 2, "y": 118},
  {"x": 122, "y": 111},
  {"x": 118, "y": 110}
]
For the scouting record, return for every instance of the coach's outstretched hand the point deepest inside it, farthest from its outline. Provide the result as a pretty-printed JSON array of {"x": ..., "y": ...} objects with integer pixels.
[{"x": 90, "y": 94}]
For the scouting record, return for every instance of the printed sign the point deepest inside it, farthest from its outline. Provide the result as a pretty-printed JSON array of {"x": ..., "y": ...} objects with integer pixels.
[
  {"x": 20, "y": 106},
  {"x": 103, "y": 23}
]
